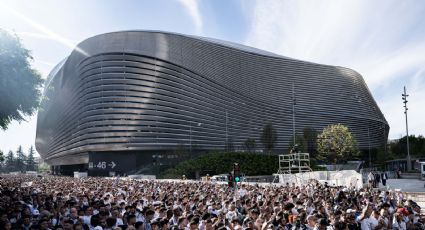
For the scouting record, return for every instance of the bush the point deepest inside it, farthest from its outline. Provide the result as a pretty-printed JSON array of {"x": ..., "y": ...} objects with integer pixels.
[
  {"x": 251, "y": 164},
  {"x": 221, "y": 163}
]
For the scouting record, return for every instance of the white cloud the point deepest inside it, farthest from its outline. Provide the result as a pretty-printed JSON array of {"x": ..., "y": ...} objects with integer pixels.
[
  {"x": 192, "y": 7},
  {"x": 41, "y": 36},
  {"x": 45, "y": 31},
  {"x": 382, "y": 40}
]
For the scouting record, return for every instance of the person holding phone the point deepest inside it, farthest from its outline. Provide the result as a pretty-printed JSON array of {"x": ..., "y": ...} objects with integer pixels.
[{"x": 364, "y": 218}]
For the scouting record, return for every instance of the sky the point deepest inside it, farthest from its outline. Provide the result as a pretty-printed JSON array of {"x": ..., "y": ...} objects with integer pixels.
[{"x": 383, "y": 40}]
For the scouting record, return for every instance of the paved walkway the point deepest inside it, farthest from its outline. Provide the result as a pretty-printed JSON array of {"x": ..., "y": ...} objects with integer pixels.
[{"x": 406, "y": 185}]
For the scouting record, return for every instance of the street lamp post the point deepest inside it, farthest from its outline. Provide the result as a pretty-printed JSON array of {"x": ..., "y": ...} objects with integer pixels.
[
  {"x": 190, "y": 137},
  {"x": 385, "y": 140},
  {"x": 227, "y": 140},
  {"x": 293, "y": 112},
  {"x": 409, "y": 161},
  {"x": 368, "y": 145}
]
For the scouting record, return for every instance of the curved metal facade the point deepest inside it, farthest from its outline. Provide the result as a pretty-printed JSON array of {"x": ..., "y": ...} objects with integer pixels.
[{"x": 151, "y": 91}]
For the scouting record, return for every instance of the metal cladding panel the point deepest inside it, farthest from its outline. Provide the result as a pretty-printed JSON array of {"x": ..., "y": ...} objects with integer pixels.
[{"x": 147, "y": 90}]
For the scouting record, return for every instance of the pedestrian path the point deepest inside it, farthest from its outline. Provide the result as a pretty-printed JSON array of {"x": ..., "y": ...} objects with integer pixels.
[{"x": 406, "y": 185}]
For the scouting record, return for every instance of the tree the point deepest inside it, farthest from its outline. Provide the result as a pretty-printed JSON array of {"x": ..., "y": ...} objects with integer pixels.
[
  {"x": 299, "y": 141},
  {"x": 20, "y": 160},
  {"x": 398, "y": 148},
  {"x": 306, "y": 141},
  {"x": 268, "y": 137},
  {"x": 1, "y": 161},
  {"x": 336, "y": 143},
  {"x": 221, "y": 163},
  {"x": 20, "y": 84},
  {"x": 43, "y": 168},
  {"x": 31, "y": 165},
  {"x": 10, "y": 162},
  {"x": 310, "y": 140},
  {"x": 217, "y": 162},
  {"x": 249, "y": 145}
]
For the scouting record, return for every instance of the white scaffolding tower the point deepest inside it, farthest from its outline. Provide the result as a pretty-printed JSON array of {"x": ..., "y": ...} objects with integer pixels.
[{"x": 293, "y": 163}]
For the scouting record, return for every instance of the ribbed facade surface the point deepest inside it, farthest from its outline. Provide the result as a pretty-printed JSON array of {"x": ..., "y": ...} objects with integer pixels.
[{"x": 155, "y": 91}]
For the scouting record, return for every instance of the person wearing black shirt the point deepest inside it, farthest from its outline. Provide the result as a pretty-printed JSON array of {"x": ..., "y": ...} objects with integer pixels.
[{"x": 384, "y": 178}]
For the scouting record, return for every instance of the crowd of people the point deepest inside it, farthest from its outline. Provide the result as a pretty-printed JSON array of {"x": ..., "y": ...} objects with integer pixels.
[{"x": 66, "y": 203}]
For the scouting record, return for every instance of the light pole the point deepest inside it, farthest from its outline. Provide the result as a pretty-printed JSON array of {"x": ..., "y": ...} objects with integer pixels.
[
  {"x": 226, "y": 142},
  {"x": 385, "y": 140},
  {"x": 404, "y": 97},
  {"x": 190, "y": 137},
  {"x": 293, "y": 112},
  {"x": 368, "y": 146}
]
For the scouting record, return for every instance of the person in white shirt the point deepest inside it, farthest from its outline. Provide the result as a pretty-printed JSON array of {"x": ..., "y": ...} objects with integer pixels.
[
  {"x": 232, "y": 213},
  {"x": 383, "y": 220},
  {"x": 176, "y": 214},
  {"x": 366, "y": 223},
  {"x": 87, "y": 215},
  {"x": 115, "y": 214},
  {"x": 370, "y": 179},
  {"x": 398, "y": 222},
  {"x": 311, "y": 222},
  {"x": 374, "y": 220},
  {"x": 364, "y": 218}
]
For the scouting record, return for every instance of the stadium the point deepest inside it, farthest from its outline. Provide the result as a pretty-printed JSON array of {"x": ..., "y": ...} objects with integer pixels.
[{"x": 126, "y": 100}]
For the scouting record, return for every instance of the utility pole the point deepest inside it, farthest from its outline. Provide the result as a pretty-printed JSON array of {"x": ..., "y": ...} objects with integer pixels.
[
  {"x": 368, "y": 144},
  {"x": 293, "y": 112},
  {"x": 227, "y": 140},
  {"x": 404, "y": 97},
  {"x": 190, "y": 139},
  {"x": 385, "y": 141}
]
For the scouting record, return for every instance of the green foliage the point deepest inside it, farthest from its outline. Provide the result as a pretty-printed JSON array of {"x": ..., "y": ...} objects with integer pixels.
[
  {"x": 268, "y": 137},
  {"x": 250, "y": 145},
  {"x": 30, "y": 162},
  {"x": 1, "y": 156},
  {"x": 10, "y": 162},
  {"x": 20, "y": 84},
  {"x": 398, "y": 148},
  {"x": 336, "y": 144},
  {"x": 222, "y": 163},
  {"x": 299, "y": 140},
  {"x": 310, "y": 141},
  {"x": 306, "y": 142},
  {"x": 43, "y": 168},
  {"x": 20, "y": 160}
]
